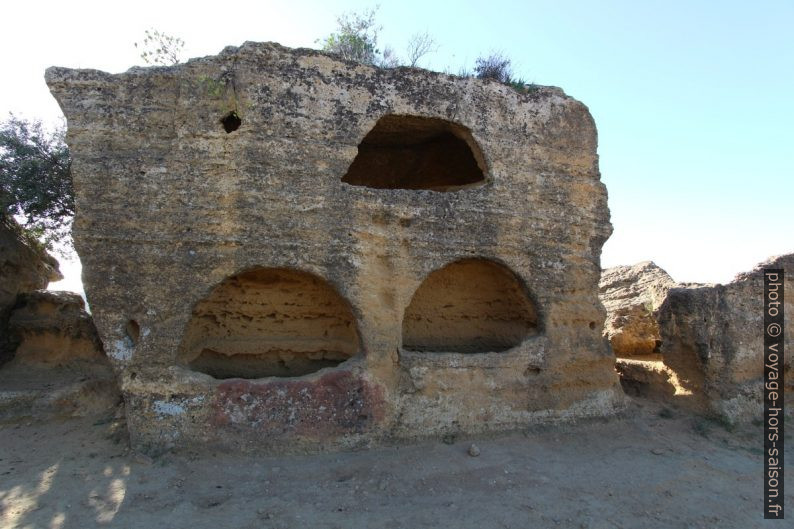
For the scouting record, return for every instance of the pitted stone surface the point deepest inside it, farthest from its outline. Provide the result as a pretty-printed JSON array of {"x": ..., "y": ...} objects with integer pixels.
[
  {"x": 53, "y": 328},
  {"x": 170, "y": 205},
  {"x": 24, "y": 267},
  {"x": 631, "y": 295},
  {"x": 712, "y": 337}
]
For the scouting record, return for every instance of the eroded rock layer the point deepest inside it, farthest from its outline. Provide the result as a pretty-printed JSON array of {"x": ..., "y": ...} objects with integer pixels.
[
  {"x": 354, "y": 184},
  {"x": 266, "y": 322},
  {"x": 53, "y": 328},
  {"x": 24, "y": 267},
  {"x": 712, "y": 337},
  {"x": 631, "y": 295},
  {"x": 59, "y": 367}
]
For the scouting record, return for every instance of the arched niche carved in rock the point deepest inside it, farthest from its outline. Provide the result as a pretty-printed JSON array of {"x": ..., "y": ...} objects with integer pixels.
[
  {"x": 269, "y": 322},
  {"x": 469, "y": 306},
  {"x": 412, "y": 152}
]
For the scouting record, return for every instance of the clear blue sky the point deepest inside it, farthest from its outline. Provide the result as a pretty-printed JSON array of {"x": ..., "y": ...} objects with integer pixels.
[{"x": 694, "y": 101}]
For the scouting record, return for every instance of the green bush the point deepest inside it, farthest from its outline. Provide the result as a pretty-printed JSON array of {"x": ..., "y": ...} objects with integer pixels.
[
  {"x": 494, "y": 66},
  {"x": 356, "y": 38}
]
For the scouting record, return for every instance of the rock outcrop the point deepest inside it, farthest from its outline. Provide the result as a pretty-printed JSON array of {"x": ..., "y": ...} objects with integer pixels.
[
  {"x": 59, "y": 367},
  {"x": 24, "y": 267},
  {"x": 712, "y": 337},
  {"x": 255, "y": 226},
  {"x": 631, "y": 295},
  {"x": 53, "y": 328}
]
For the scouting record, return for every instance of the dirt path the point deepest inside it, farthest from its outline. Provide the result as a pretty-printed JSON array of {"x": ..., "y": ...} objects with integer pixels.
[{"x": 645, "y": 470}]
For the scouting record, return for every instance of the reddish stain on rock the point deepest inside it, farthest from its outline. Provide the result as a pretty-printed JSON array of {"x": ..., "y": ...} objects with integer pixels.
[{"x": 335, "y": 403}]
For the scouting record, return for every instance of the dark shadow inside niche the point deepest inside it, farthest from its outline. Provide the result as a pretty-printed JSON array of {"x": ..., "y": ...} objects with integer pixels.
[
  {"x": 269, "y": 322},
  {"x": 469, "y": 306},
  {"x": 132, "y": 332},
  {"x": 412, "y": 152},
  {"x": 231, "y": 122}
]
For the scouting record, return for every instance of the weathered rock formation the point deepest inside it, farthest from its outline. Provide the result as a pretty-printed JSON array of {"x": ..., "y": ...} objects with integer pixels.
[
  {"x": 283, "y": 250},
  {"x": 712, "y": 337},
  {"x": 649, "y": 378},
  {"x": 631, "y": 295},
  {"x": 24, "y": 267},
  {"x": 53, "y": 328},
  {"x": 59, "y": 366},
  {"x": 707, "y": 340}
]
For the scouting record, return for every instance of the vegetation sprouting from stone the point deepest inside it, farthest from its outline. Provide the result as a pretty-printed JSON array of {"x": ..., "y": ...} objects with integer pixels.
[
  {"x": 498, "y": 67},
  {"x": 356, "y": 39},
  {"x": 494, "y": 66},
  {"x": 419, "y": 45},
  {"x": 160, "y": 49},
  {"x": 35, "y": 167}
]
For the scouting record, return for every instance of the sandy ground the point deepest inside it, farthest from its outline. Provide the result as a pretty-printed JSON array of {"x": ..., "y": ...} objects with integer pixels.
[{"x": 648, "y": 469}]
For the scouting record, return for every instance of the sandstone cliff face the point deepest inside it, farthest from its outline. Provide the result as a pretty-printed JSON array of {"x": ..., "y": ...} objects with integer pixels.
[
  {"x": 53, "y": 328},
  {"x": 255, "y": 226},
  {"x": 631, "y": 295},
  {"x": 59, "y": 367},
  {"x": 712, "y": 337},
  {"x": 23, "y": 268}
]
